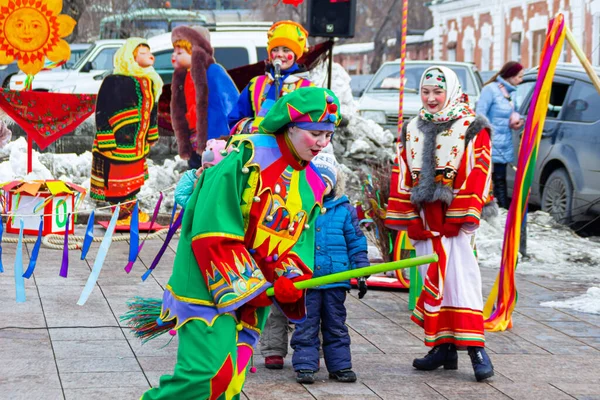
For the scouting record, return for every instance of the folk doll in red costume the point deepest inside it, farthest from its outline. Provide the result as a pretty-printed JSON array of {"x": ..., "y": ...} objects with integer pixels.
[
  {"x": 202, "y": 93},
  {"x": 439, "y": 188},
  {"x": 247, "y": 227},
  {"x": 126, "y": 127},
  {"x": 287, "y": 42}
]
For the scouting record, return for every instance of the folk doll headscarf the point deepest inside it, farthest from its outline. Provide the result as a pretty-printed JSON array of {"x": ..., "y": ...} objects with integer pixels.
[
  {"x": 457, "y": 102},
  {"x": 125, "y": 64}
]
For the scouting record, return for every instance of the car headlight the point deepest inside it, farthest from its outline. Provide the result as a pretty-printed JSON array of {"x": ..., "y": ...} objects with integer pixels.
[
  {"x": 376, "y": 116},
  {"x": 64, "y": 89}
]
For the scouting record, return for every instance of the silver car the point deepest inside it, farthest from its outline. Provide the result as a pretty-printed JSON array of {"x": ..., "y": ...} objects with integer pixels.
[{"x": 379, "y": 101}]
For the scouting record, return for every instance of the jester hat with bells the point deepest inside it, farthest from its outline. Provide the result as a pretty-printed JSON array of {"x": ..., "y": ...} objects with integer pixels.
[{"x": 310, "y": 108}]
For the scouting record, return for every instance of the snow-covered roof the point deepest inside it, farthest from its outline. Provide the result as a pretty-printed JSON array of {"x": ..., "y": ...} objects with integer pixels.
[{"x": 353, "y": 48}]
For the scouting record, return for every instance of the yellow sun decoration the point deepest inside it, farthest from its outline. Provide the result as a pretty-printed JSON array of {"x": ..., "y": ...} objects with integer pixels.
[{"x": 31, "y": 30}]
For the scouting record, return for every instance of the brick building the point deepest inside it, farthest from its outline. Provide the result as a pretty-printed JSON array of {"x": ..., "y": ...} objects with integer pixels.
[{"x": 491, "y": 32}]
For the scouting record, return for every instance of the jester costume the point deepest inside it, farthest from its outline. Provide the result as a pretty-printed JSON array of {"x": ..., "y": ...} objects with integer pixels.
[
  {"x": 439, "y": 186},
  {"x": 247, "y": 227},
  {"x": 126, "y": 128},
  {"x": 260, "y": 94}
]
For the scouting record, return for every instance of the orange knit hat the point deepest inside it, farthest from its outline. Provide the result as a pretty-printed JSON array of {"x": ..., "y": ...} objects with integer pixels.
[{"x": 289, "y": 34}]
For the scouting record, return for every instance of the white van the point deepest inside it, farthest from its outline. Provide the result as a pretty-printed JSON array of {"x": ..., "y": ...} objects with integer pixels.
[{"x": 235, "y": 44}]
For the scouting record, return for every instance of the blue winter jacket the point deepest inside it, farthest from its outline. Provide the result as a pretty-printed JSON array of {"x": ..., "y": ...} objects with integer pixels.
[
  {"x": 497, "y": 109},
  {"x": 340, "y": 244}
]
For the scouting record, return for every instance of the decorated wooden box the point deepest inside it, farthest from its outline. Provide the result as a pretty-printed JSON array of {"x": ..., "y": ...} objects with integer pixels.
[{"x": 30, "y": 200}]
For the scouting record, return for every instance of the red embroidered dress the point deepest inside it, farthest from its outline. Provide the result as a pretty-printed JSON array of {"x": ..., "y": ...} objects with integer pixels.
[{"x": 450, "y": 305}]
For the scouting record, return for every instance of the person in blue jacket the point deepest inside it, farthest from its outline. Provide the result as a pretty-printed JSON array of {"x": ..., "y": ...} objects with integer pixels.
[
  {"x": 340, "y": 246},
  {"x": 496, "y": 103}
]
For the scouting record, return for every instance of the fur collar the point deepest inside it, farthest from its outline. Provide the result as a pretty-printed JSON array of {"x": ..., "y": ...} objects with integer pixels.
[{"x": 427, "y": 191}]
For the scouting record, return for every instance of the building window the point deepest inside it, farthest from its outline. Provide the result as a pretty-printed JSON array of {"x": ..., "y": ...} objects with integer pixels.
[
  {"x": 515, "y": 46},
  {"x": 538, "y": 38},
  {"x": 468, "y": 57},
  {"x": 451, "y": 54}
]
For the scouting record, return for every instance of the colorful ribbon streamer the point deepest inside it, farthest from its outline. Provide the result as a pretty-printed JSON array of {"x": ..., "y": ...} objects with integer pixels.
[
  {"x": 19, "y": 280},
  {"x": 89, "y": 235},
  {"x": 35, "y": 251},
  {"x": 64, "y": 267},
  {"x": 99, "y": 261},
  {"x": 172, "y": 229},
  {"x": 129, "y": 265},
  {"x": 134, "y": 234},
  {"x": 504, "y": 292}
]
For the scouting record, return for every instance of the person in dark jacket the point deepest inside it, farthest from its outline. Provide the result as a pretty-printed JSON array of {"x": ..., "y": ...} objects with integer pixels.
[{"x": 340, "y": 246}]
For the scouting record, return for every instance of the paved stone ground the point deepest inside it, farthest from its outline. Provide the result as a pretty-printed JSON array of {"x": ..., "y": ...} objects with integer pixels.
[{"x": 51, "y": 348}]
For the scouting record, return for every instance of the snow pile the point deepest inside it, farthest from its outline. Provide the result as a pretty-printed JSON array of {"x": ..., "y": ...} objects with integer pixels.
[
  {"x": 553, "y": 250},
  {"x": 357, "y": 138},
  {"x": 587, "y": 303}
]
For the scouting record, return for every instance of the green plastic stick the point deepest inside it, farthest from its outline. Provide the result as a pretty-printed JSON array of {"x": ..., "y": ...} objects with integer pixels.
[{"x": 357, "y": 273}]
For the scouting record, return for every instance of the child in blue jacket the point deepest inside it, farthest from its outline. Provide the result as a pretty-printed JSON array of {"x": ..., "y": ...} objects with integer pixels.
[{"x": 340, "y": 246}]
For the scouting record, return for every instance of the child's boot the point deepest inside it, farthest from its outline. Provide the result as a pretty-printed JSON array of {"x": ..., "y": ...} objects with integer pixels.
[{"x": 444, "y": 354}]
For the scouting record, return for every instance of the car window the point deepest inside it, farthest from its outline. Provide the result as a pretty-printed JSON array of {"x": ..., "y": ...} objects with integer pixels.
[
  {"x": 558, "y": 94},
  {"x": 232, "y": 57},
  {"x": 584, "y": 105},
  {"x": 162, "y": 60},
  {"x": 83, "y": 57},
  {"x": 104, "y": 59},
  {"x": 522, "y": 92},
  {"x": 261, "y": 53},
  {"x": 388, "y": 78},
  {"x": 75, "y": 56}
]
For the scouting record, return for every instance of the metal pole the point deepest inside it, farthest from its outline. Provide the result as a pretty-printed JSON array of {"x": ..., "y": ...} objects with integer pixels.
[{"x": 330, "y": 68}]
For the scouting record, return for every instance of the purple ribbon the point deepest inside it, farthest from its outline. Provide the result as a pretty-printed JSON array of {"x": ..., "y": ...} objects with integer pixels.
[
  {"x": 89, "y": 235},
  {"x": 172, "y": 229},
  {"x": 35, "y": 251},
  {"x": 129, "y": 265},
  {"x": 64, "y": 268}
]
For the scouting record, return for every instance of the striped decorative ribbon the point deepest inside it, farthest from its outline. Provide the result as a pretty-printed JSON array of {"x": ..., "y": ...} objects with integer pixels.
[{"x": 504, "y": 291}]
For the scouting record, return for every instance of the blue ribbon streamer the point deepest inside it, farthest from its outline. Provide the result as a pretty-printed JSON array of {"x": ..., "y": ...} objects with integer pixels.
[
  {"x": 172, "y": 229},
  {"x": 1, "y": 232},
  {"x": 19, "y": 280},
  {"x": 35, "y": 251},
  {"x": 64, "y": 267},
  {"x": 99, "y": 261},
  {"x": 129, "y": 265},
  {"x": 134, "y": 233},
  {"x": 89, "y": 236}
]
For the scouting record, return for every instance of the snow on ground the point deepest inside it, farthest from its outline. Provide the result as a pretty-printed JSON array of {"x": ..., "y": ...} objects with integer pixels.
[{"x": 587, "y": 303}]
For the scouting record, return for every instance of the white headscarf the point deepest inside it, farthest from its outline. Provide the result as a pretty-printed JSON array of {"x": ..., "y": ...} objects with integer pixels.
[{"x": 456, "y": 104}]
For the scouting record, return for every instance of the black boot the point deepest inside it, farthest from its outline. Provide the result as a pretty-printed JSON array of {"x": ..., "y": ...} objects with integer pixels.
[
  {"x": 482, "y": 365},
  {"x": 444, "y": 354}
]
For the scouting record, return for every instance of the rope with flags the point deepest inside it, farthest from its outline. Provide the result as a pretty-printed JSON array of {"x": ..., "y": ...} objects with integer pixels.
[{"x": 503, "y": 297}]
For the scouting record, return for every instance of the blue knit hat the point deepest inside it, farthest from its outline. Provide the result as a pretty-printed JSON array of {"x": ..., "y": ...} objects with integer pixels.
[{"x": 328, "y": 167}]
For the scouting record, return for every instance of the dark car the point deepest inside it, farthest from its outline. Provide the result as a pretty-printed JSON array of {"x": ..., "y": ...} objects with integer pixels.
[
  {"x": 8, "y": 70},
  {"x": 566, "y": 181}
]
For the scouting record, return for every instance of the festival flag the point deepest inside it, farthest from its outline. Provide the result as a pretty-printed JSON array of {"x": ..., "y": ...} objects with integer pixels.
[
  {"x": 129, "y": 265},
  {"x": 504, "y": 292},
  {"x": 64, "y": 267},
  {"x": 175, "y": 224},
  {"x": 19, "y": 280},
  {"x": 134, "y": 233}
]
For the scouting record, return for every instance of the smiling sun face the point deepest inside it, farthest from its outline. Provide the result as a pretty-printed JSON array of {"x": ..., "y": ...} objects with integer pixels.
[{"x": 31, "y": 30}]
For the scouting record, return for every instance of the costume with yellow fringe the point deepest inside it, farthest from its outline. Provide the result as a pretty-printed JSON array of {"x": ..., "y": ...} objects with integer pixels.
[
  {"x": 126, "y": 127},
  {"x": 259, "y": 95},
  {"x": 247, "y": 227}
]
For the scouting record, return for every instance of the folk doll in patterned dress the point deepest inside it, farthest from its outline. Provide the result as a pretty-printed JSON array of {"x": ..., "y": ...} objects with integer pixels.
[
  {"x": 439, "y": 188},
  {"x": 247, "y": 227},
  {"x": 287, "y": 42},
  {"x": 126, "y": 127}
]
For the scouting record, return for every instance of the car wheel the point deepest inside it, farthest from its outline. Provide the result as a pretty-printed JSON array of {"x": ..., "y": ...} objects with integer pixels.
[{"x": 557, "y": 197}]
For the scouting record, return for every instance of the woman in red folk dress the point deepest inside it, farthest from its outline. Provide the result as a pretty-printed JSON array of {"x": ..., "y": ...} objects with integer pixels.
[{"x": 439, "y": 187}]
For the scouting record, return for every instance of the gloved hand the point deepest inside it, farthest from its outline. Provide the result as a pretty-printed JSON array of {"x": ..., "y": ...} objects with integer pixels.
[
  {"x": 285, "y": 292},
  {"x": 451, "y": 230},
  {"x": 417, "y": 231},
  {"x": 362, "y": 286}
]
